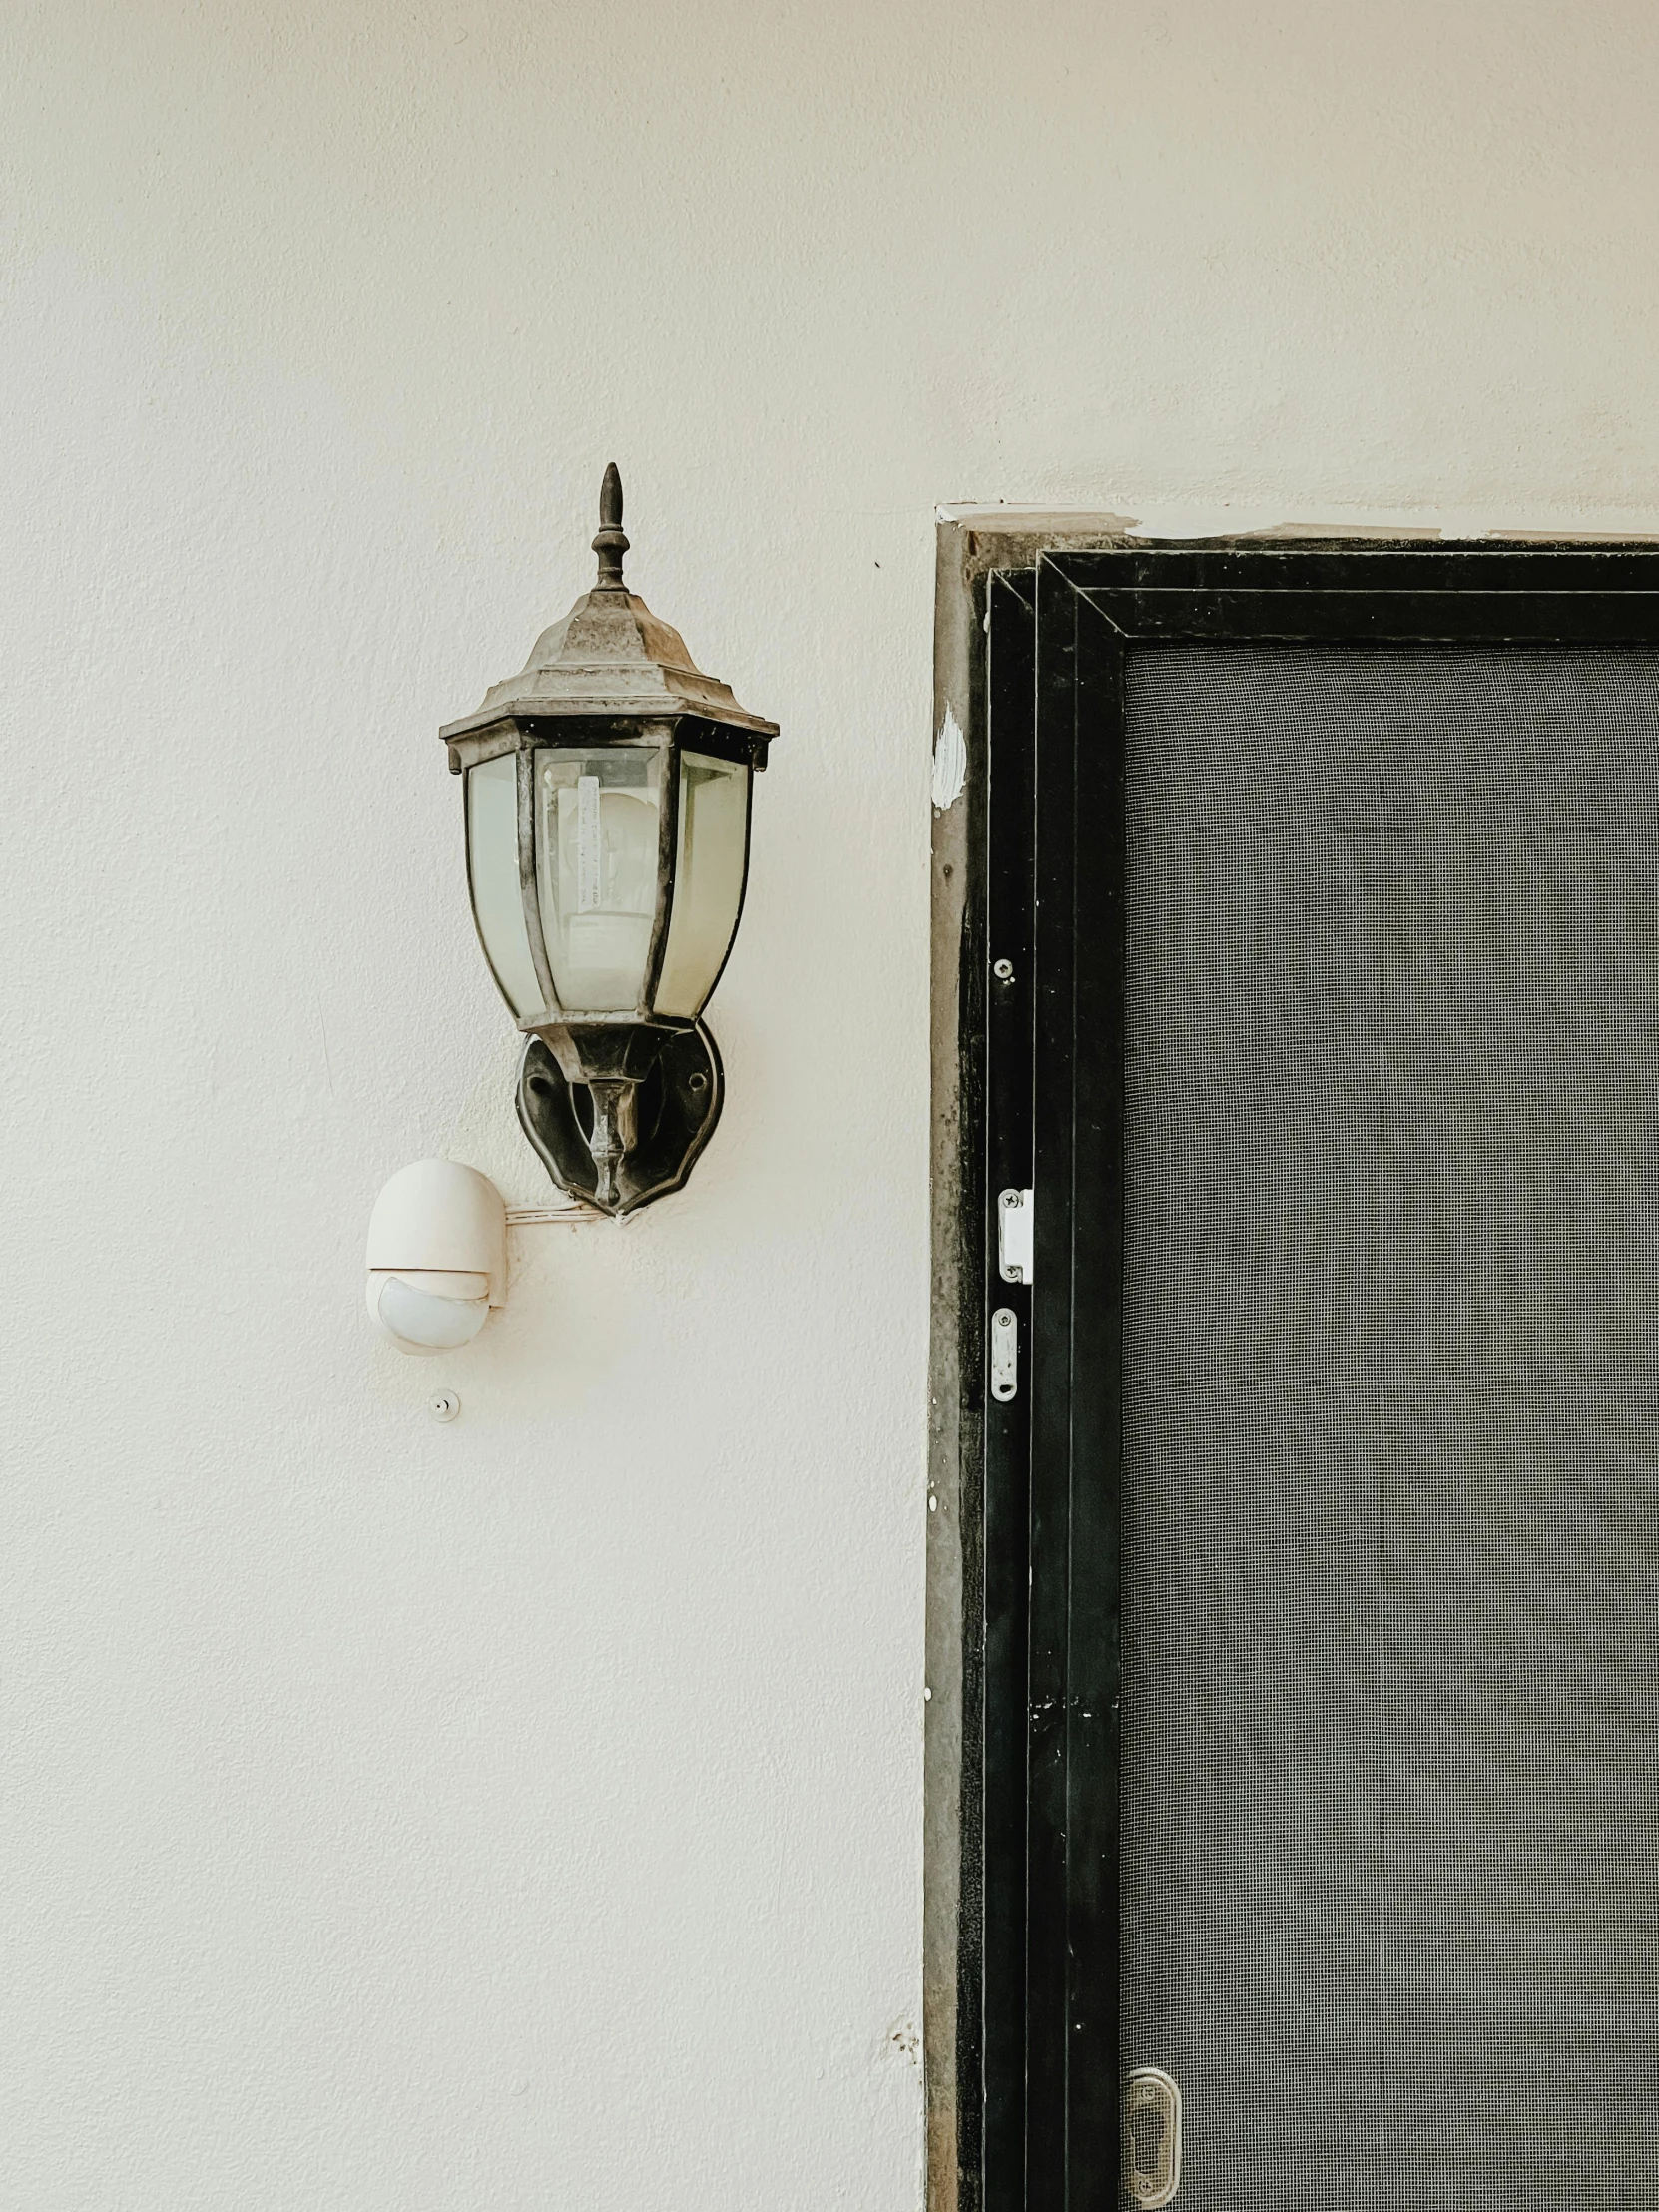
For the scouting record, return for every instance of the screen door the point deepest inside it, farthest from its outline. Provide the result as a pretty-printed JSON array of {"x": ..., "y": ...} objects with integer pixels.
[{"x": 1331, "y": 1463}]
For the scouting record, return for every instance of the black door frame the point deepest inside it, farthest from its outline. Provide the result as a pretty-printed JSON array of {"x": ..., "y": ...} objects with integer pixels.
[{"x": 1039, "y": 1105}]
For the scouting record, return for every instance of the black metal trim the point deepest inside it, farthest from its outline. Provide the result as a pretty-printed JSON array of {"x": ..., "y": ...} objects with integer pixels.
[
  {"x": 1051, "y": 1050},
  {"x": 529, "y": 854},
  {"x": 1051, "y": 1384},
  {"x": 668, "y": 850},
  {"x": 1009, "y": 1004}
]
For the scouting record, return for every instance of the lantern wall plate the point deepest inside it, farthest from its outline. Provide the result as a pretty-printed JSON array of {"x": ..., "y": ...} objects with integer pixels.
[
  {"x": 674, "y": 1111},
  {"x": 607, "y": 811}
]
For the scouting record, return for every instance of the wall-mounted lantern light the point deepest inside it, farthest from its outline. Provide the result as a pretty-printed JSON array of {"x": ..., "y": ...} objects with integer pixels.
[{"x": 607, "y": 835}]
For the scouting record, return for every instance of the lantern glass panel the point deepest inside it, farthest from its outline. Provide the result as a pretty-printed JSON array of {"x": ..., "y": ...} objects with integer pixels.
[
  {"x": 712, "y": 841},
  {"x": 497, "y": 890},
  {"x": 598, "y": 821}
]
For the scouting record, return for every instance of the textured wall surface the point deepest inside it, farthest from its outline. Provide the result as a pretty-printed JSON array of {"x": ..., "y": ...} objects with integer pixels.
[{"x": 527, "y": 1813}]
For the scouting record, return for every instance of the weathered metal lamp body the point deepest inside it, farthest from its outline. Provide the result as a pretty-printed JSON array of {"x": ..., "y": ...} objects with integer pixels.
[{"x": 607, "y": 800}]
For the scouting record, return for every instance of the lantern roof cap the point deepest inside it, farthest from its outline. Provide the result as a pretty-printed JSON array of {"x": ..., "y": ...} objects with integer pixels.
[{"x": 611, "y": 657}]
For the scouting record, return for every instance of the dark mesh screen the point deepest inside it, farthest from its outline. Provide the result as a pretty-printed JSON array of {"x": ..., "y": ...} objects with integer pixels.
[{"x": 1391, "y": 1514}]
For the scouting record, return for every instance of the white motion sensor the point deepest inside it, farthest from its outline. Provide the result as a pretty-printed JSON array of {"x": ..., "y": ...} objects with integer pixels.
[{"x": 437, "y": 1256}]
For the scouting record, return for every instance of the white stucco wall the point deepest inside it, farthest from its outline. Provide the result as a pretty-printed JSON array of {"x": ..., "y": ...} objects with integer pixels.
[{"x": 527, "y": 1813}]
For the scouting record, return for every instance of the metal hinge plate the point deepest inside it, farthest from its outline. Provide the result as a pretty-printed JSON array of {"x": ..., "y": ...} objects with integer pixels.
[{"x": 1016, "y": 1236}]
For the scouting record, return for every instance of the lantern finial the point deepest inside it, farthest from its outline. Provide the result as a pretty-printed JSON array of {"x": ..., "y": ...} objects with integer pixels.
[{"x": 610, "y": 544}]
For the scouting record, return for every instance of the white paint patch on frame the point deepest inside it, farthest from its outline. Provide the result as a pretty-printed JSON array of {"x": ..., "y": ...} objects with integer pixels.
[{"x": 949, "y": 761}]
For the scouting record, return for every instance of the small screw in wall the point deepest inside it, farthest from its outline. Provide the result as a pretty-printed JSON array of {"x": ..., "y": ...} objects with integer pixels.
[
  {"x": 1003, "y": 970},
  {"x": 444, "y": 1406}
]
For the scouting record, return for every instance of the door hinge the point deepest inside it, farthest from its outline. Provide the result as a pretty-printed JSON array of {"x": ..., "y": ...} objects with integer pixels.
[{"x": 1016, "y": 1236}]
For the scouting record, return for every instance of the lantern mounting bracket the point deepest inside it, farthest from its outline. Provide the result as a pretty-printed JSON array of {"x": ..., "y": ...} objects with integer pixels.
[{"x": 673, "y": 1110}]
